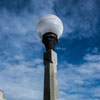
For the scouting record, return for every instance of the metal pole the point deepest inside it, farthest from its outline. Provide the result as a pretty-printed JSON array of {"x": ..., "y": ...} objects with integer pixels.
[{"x": 50, "y": 79}]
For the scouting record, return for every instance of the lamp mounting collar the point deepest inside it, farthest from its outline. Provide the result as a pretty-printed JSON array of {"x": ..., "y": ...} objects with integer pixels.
[{"x": 49, "y": 39}]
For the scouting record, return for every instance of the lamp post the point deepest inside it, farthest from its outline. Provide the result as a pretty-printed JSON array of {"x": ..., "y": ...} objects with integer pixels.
[{"x": 50, "y": 29}]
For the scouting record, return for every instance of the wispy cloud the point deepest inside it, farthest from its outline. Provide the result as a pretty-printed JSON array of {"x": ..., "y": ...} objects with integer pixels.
[
  {"x": 92, "y": 58},
  {"x": 22, "y": 80},
  {"x": 74, "y": 81},
  {"x": 80, "y": 18},
  {"x": 80, "y": 82}
]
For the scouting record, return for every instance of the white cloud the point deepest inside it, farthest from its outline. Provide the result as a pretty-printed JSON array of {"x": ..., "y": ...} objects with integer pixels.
[
  {"x": 79, "y": 81},
  {"x": 25, "y": 79},
  {"x": 93, "y": 58},
  {"x": 22, "y": 81},
  {"x": 63, "y": 49},
  {"x": 76, "y": 18}
]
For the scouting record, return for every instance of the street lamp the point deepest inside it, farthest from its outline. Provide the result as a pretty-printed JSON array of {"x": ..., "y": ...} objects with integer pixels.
[{"x": 50, "y": 29}]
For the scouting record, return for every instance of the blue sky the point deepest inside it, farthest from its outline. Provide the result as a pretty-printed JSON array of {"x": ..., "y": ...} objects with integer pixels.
[{"x": 21, "y": 50}]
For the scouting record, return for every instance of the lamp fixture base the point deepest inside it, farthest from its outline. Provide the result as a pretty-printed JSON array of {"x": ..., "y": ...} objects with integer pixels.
[{"x": 49, "y": 40}]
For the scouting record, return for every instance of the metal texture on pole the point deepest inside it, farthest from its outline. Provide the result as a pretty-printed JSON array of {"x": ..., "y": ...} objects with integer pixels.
[{"x": 50, "y": 79}]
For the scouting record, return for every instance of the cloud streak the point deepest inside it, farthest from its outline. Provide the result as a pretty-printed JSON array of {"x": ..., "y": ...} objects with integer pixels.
[
  {"x": 81, "y": 18},
  {"x": 22, "y": 80},
  {"x": 80, "y": 82}
]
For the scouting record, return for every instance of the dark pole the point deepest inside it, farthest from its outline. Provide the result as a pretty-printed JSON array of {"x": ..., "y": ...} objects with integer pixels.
[{"x": 50, "y": 61}]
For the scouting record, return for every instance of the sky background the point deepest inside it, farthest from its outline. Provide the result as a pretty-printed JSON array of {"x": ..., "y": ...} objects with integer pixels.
[{"x": 21, "y": 50}]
